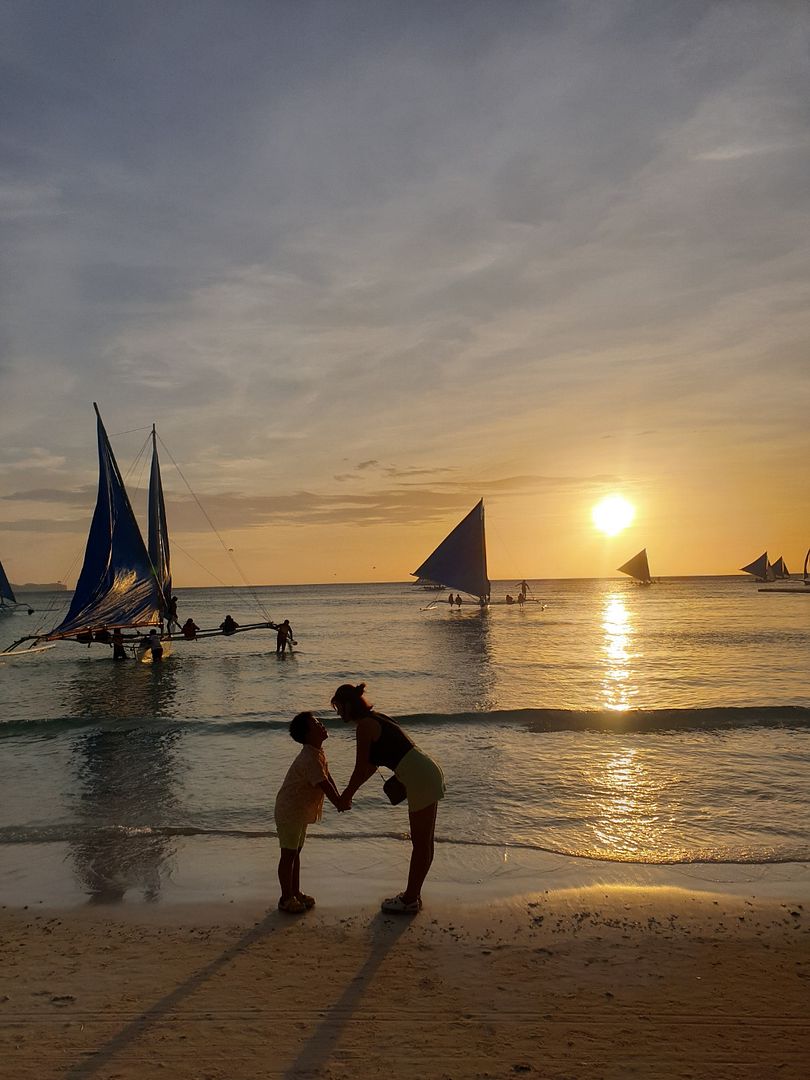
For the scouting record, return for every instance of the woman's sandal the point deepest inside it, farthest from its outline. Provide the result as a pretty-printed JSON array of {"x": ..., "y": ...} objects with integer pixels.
[
  {"x": 307, "y": 901},
  {"x": 397, "y": 905},
  {"x": 292, "y": 906}
]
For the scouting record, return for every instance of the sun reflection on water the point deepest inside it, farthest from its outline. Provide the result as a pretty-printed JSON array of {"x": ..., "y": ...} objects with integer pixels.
[
  {"x": 626, "y": 810},
  {"x": 617, "y": 685}
]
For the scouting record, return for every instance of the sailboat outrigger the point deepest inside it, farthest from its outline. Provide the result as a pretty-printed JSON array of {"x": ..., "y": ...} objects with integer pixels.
[
  {"x": 460, "y": 560},
  {"x": 123, "y": 584}
]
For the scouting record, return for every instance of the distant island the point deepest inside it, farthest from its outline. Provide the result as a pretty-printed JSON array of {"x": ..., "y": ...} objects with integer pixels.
[{"x": 48, "y": 586}]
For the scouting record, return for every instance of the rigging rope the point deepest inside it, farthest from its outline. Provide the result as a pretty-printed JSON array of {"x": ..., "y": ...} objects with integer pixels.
[{"x": 229, "y": 551}]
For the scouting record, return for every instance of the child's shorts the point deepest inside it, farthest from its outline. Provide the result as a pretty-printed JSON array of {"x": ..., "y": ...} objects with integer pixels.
[{"x": 291, "y": 835}]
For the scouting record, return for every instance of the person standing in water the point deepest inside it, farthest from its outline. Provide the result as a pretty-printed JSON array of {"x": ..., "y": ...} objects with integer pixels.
[
  {"x": 153, "y": 643},
  {"x": 381, "y": 741},
  {"x": 284, "y": 637}
]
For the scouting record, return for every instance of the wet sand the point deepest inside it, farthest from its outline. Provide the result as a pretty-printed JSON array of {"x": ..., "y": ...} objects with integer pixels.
[{"x": 605, "y": 981}]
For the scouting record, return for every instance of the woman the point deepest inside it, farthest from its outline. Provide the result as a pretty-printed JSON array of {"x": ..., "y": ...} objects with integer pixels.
[{"x": 380, "y": 741}]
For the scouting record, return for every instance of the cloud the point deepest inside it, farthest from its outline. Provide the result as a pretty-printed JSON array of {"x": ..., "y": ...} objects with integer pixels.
[
  {"x": 34, "y": 457},
  {"x": 20, "y": 202},
  {"x": 409, "y": 502},
  {"x": 49, "y": 525}
]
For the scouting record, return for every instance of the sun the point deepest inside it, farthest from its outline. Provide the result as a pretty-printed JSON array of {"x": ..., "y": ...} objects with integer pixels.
[{"x": 613, "y": 514}]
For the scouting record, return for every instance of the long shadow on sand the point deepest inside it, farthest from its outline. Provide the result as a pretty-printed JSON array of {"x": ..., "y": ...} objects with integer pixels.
[
  {"x": 318, "y": 1049},
  {"x": 101, "y": 1057}
]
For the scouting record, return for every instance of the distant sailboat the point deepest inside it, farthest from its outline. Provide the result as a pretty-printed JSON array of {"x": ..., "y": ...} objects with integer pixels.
[
  {"x": 460, "y": 560},
  {"x": 123, "y": 584},
  {"x": 778, "y": 573},
  {"x": 638, "y": 568},
  {"x": 779, "y": 570},
  {"x": 7, "y": 597},
  {"x": 759, "y": 568}
]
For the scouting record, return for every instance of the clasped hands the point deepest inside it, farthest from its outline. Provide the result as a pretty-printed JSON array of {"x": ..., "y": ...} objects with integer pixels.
[{"x": 344, "y": 803}]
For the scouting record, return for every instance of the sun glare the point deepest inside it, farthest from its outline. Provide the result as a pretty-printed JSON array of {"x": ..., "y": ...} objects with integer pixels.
[{"x": 612, "y": 514}]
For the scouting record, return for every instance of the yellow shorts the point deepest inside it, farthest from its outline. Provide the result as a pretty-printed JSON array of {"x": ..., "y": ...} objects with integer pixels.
[
  {"x": 423, "y": 779},
  {"x": 291, "y": 834}
]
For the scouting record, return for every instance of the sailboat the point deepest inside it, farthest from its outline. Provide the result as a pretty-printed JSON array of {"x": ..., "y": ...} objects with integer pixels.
[
  {"x": 123, "y": 584},
  {"x": 759, "y": 568},
  {"x": 7, "y": 597},
  {"x": 638, "y": 568},
  {"x": 779, "y": 570},
  {"x": 460, "y": 560}
]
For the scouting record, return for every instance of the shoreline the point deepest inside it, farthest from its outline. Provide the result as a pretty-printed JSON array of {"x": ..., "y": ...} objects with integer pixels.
[{"x": 145, "y": 871}]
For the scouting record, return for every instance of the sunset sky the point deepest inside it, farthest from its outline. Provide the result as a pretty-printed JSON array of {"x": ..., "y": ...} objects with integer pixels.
[{"x": 366, "y": 263}]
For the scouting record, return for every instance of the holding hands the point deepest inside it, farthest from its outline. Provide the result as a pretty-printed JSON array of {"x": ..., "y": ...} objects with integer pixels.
[{"x": 344, "y": 803}]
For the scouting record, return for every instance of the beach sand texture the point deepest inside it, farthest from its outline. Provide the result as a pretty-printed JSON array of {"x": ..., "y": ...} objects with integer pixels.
[{"x": 603, "y": 982}]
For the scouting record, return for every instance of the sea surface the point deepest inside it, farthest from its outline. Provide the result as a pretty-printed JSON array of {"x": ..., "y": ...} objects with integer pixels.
[{"x": 668, "y": 724}]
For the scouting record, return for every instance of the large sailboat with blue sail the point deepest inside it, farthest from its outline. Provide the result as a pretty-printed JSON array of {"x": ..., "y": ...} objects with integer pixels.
[
  {"x": 124, "y": 584},
  {"x": 460, "y": 560}
]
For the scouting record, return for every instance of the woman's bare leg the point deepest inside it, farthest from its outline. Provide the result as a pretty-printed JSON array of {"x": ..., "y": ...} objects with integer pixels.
[{"x": 423, "y": 826}]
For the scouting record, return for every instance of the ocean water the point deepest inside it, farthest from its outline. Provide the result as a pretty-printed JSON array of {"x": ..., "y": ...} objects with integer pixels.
[{"x": 668, "y": 724}]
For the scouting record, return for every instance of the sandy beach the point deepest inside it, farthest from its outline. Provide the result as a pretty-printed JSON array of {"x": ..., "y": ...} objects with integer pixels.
[{"x": 603, "y": 979}]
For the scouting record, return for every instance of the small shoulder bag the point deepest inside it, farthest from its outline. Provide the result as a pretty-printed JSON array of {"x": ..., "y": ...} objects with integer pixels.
[{"x": 394, "y": 789}]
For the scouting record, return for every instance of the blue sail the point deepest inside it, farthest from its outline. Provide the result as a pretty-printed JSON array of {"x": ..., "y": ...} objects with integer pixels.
[
  {"x": 117, "y": 585},
  {"x": 158, "y": 542},
  {"x": 460, "y": 560},
  {"x": 6, "y": 591}
]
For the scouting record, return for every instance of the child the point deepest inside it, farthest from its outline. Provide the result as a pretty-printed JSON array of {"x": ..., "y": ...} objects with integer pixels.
[{"x": 299, "y": 802}]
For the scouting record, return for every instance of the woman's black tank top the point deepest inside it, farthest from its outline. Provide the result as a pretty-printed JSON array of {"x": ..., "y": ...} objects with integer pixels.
[{"x": 392, "y": 745}]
